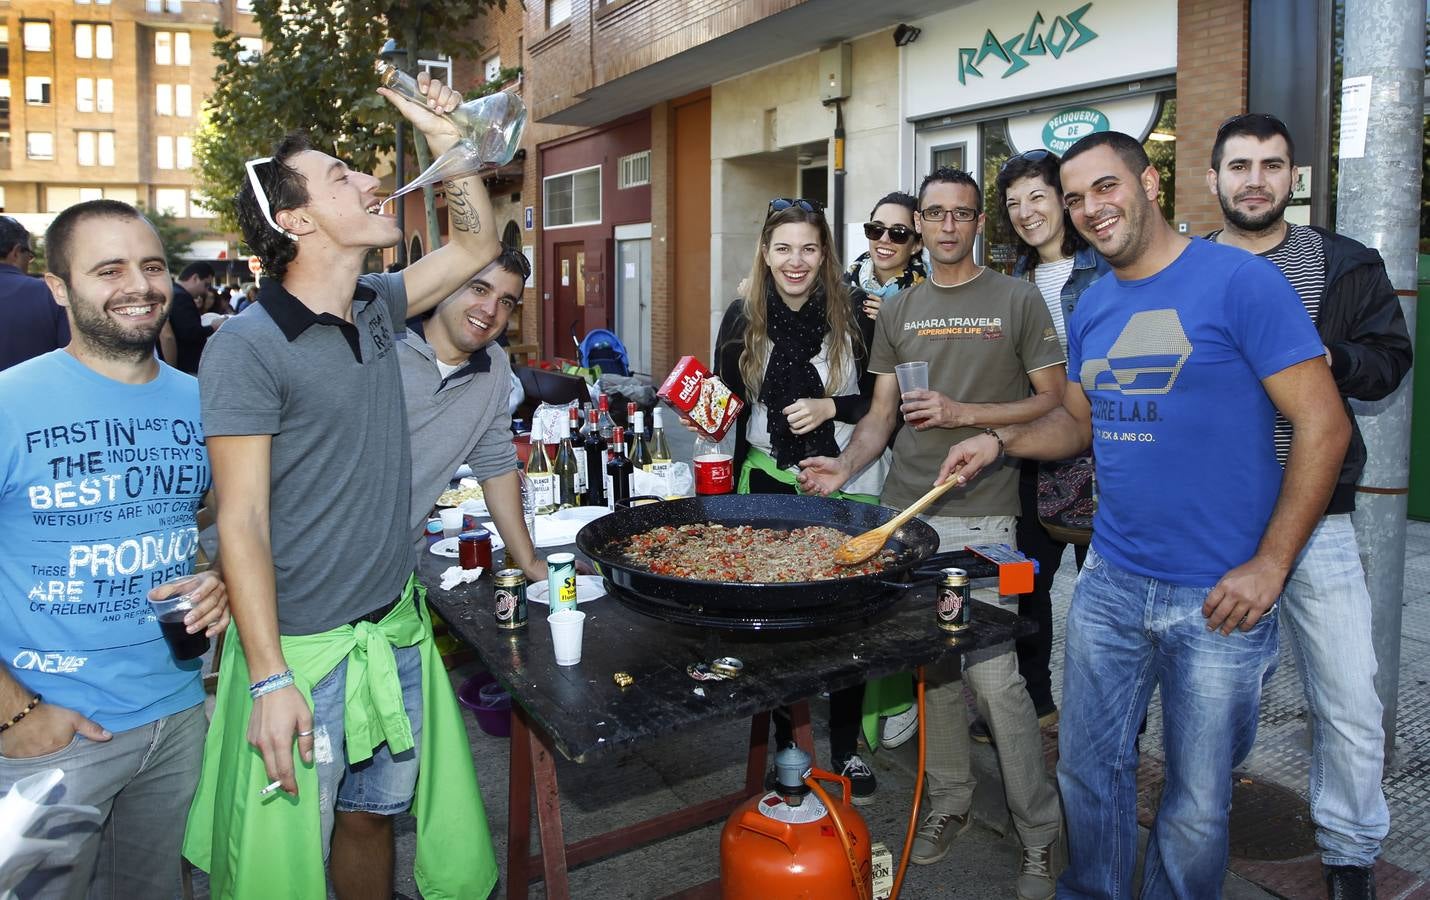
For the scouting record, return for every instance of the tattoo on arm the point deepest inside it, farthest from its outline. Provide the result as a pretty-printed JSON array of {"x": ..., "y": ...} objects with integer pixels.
[{"x": 460, "y": 211}]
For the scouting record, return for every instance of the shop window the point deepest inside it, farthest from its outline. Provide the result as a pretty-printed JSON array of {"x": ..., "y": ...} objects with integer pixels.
[
  {"x": 573, "y": 198},
  {"x": 36, "y": 36},
  {"x": 635, "y": 170},
  {"x": 950, "y": 157},
  {"x": 37, "y": 90},
  {"x": 1161, "y": 147}
]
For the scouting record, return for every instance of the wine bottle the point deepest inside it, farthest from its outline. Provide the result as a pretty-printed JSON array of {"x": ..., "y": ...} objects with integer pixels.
[
  {"x": 661, "y": 462},
  {"x": 595, "y": 462},
  {"x": 578, "y": 446},
  {"x": 538, "y": 470},
  {"x": 639, "y": 452},
  {"x": 618, "y": 470},
  {"x": 566, "y": 469},
  {"x": 605, "y": 420}
]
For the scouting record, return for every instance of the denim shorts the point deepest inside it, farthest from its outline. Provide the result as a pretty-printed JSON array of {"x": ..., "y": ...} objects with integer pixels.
[{"x": 384, "y": 783}]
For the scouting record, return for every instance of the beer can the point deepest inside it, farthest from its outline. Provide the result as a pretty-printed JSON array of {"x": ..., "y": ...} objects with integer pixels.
[
  {"x": 561, "y": 581},
  {"x": 954, "y": 606},
  {"x": 509, "y": 589}
]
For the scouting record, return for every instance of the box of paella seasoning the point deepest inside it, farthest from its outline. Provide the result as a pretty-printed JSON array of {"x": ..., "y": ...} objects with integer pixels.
[{"x": 699, "y": 395}]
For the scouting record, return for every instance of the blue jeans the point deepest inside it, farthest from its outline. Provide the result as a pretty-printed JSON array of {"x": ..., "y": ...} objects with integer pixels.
[
  {"x": 141, "y": 780},
  {"x": 382, "y": 784},
  {"x": 1327, "y": 612},
  {"x": 1126, "y": 635}
]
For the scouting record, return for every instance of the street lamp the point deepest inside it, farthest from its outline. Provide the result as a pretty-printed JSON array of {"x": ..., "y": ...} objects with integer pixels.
[{"x": 396, "y": 56}]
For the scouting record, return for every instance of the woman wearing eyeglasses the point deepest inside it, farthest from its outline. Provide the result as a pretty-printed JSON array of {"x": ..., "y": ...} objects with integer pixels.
[
  {"x": 795, "y": 347},
  {"x": 1060, "y": 263},
  {"x": 894, "y": 260}
]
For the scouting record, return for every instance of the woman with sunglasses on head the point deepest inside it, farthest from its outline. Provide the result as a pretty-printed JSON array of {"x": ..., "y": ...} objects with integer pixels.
[
  {"x": 1053, "y": 256},
  {"x": 793, "y": 348},
  {"x": 894, "y": 260}
]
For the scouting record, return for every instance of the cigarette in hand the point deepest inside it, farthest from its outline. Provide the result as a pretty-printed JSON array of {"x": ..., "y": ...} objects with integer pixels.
[{"x": 273, "y": 786}]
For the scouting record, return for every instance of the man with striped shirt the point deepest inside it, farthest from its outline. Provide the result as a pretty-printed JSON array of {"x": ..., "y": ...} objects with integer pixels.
[{"x": 1347, "y": 294}]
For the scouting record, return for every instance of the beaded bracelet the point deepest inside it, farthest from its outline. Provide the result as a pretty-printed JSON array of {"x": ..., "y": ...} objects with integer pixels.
[
  {"x": 14, "y": 720},
  {"x": 1002, "y": 449},
  {"x": 270, "y": 684}
]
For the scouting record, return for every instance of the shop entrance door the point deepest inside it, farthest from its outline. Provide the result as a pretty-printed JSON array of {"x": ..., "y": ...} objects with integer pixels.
[
  {"x": 570, "y": 311},
  {"x": 633, "y": 293},
  {"x": 955, "y": 147}
]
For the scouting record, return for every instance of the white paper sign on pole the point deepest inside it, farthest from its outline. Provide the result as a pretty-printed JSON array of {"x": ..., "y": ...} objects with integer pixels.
[{"x": 1355, "y": 115}]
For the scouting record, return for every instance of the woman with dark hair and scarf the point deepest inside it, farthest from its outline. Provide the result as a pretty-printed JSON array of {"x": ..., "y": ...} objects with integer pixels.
[
  {"x": 894, "y": 260},
  {"x": 795, "y": 347}
]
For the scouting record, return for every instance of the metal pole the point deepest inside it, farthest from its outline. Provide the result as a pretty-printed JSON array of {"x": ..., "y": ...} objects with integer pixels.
[
  {"x": 1378, "y": 203},
  {"x": 839, "y": 181},
  {"x": 400, "y": 176}
]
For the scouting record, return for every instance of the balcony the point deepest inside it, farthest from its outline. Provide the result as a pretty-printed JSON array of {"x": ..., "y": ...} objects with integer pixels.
[{"x": 172, "y": 13}]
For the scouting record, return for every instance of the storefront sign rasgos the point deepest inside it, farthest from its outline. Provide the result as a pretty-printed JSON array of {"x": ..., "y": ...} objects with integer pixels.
[
  {"x": 1064, "y": 34},
  {"x": 1033, "y": 48}
]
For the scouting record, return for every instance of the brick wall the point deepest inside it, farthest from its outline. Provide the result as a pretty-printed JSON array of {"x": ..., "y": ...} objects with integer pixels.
[{"x": 1211, "y": 86}]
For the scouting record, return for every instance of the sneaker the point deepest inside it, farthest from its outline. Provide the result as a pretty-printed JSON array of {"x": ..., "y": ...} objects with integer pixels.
[
  {"x": 936, "y": 835},
  {"x": 1035, "y": 878},
  {"x": 980, "y": 732},
  {"x": 899, "y": 728},
  {"x": 862, "y": 783},
  {"x": 1350, "y": 883}
]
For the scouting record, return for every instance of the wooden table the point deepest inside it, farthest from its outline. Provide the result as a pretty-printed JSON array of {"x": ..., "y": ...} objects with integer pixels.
[{"x": 580, "y": 712}]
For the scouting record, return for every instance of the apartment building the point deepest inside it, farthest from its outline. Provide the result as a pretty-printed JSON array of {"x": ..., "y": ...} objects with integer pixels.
[{"x": 101, "y": 98}]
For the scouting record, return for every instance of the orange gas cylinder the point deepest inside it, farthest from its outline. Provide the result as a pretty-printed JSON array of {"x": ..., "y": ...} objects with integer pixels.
[{"x": 785, "y": 845}]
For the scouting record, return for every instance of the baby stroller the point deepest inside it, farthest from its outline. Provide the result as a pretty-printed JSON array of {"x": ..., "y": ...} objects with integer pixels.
[{"x": 602, "y": 348}]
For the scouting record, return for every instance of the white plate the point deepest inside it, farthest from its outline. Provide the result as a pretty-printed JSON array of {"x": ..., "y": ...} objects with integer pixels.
[
  {"x": 552, "y": 531},
  {"x": 588, "y": 588},
  {"x": 448, "y": 546},
  {"x": 581, "y": 514}
]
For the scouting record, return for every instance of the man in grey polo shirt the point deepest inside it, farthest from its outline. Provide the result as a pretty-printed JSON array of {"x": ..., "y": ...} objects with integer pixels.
[
  {"x": 307, "y": 432},
  {"x": 456, "y": 379}
]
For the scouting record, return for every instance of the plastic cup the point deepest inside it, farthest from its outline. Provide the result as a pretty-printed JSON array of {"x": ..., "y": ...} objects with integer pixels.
[
  {"x": 913, "y": 376},
  {"x": 566, "y": 628},
  {"x": 171, "y": 601},
  {"x": 451, "y": 521}
]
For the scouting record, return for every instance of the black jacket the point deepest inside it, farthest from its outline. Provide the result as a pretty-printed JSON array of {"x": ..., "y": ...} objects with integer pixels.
[
  {"x": 1361, "y": 322},
  {"x": 190, "y": 333},
  {"x": 725, "y": 362}
]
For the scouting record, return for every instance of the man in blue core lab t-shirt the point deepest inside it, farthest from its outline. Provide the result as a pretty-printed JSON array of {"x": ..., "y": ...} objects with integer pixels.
[
  {"x": 102, "y": 468},
  {"x": 1176, "y": 369}
]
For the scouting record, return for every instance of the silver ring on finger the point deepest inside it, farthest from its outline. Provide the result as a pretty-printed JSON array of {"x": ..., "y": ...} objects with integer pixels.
[{"x": 308, "y": 733}]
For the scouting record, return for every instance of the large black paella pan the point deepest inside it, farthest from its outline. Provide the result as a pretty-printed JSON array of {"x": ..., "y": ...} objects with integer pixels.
[{"x": 756, "y": 606}]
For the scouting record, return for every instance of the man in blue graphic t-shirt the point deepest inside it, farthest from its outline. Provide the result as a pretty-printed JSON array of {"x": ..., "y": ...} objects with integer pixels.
[
  {"x": 102, "y": 468},
  {"x": 1176, "y": 368}
]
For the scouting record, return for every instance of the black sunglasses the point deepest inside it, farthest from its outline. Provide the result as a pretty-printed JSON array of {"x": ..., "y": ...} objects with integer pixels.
[
  {"x": 1243, "y": 118},
  {"x": 780, "y": 204},
  {"x": 1032, "y": 156},
  {"x": 899, "y": 234}
]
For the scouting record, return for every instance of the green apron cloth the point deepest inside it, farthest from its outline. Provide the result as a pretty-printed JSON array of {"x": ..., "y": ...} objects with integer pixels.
[
  {"x": 885, "y": 696},
  {"x": 270, "y": 847},
  {"x": 759, "y": 459}
]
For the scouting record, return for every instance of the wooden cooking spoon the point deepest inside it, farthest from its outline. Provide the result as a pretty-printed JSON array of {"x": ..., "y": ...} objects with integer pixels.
[{"x": 861, "y": 547}]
